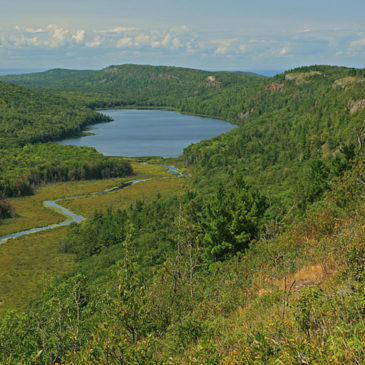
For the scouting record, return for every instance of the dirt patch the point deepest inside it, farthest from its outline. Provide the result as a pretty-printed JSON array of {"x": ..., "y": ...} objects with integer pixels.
[
  {"x": 211, "y": 81},
  {"x": 274, "y": 87},
  {"x": 344, "y": 82},
  {"x": 301, "y": 77},
  {"x": 243, "y": 115},
  {"x": 355, "y": 106},
  {"x": 306, "y": 276}
]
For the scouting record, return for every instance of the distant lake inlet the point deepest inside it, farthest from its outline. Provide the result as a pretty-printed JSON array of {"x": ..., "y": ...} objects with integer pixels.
[{"x": 136, "y": 133}]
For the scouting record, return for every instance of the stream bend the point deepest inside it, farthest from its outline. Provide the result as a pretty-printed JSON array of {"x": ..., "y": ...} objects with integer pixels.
[{"x": 72, "y": 217}]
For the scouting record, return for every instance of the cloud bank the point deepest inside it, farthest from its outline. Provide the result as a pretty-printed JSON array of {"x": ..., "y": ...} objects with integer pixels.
[{"x": 249, "y": 50}]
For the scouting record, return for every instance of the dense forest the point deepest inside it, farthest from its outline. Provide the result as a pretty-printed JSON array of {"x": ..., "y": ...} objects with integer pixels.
[
  {"x": 29, "y": 117},
  {"x": 24, "y": 168},
  {"x": 163, "y": 283},
  {"x": 260, "y": 260},
  {"x": 284, "y": 122},
  {"x": 188, "y": 90}
]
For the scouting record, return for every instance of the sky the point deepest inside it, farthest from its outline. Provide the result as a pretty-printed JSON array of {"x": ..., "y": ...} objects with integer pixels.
[{"x": 207, "y": 34}]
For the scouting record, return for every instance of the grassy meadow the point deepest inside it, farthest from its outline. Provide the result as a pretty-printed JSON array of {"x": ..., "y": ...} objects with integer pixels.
[
  {"x": 28, "y": 261},
  {"x": 122, "y": 199},
  {"x": 30, "y": 210}
]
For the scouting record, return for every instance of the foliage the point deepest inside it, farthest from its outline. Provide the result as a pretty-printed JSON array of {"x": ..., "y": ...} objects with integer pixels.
[
  {"x": 125, "y": 309},
  {"x": 6, "y": 210},
  {"x": 287, "y": 127},
  {"x": 232, "y": 219},
  {"x": 28, "y": 116},
  {"x": 24, "y": 168},
  {"x": 196, "y": 278},
  {"x": 187, "y": 90}
]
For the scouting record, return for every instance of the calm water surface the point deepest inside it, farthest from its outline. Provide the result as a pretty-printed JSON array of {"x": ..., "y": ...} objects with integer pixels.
[{"x": 136, "y": 133}]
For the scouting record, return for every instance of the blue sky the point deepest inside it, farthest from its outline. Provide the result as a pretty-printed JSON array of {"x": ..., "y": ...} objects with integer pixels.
[{"x": 224, "y": 35}]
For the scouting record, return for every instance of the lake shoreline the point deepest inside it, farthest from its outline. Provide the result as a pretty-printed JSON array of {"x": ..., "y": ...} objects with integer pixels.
[{"x": 152, "y": 131}]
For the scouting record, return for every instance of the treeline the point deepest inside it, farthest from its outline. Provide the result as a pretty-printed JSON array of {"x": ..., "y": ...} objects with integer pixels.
[
  {"x": 24, "y": 168},
  {"x": 134, "y": 249},
  {"x": 227, "y": 221}
]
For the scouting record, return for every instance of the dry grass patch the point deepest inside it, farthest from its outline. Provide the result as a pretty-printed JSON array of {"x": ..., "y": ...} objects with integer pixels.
[{"x": 305, "y": 276}]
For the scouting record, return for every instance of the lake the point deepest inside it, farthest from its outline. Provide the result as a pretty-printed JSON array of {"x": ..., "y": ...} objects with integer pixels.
[{"x": 136, "y": 133}]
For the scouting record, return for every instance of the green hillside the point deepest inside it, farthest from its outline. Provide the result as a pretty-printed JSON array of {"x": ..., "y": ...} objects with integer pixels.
[
  {"x": 300, "y": 116},
  {"x": 259, "y": 261},
  {"x": 143, "y": 291},
  {"x": 28, "y": 117},
  {"x": 186, "y": 90}
]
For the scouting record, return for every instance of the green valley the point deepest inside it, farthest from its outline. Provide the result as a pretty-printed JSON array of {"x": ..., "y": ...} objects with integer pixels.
[{"x": 257, "y": 256}]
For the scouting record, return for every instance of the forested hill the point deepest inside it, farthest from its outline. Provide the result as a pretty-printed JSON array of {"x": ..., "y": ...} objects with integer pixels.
[
  {"x": 286, "y": 122},
  {"x": 31, "y": 117},
  {"x": 260, "y": 260},
  {"x": 120, "y": 77},
  {"x": 28, "y": 116},
  {"x": 304, "y": 115},
  {"x": 222, "y": 94}
]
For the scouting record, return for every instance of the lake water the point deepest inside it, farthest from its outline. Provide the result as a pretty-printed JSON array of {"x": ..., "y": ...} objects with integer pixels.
[{"x": 136, "y": 133}]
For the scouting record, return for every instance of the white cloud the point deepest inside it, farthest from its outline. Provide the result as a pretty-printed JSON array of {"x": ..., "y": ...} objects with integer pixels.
[
  {"x": 190, "y": 47},
  {"x": 124, "y": 42},
  {"x": 358, "y": 43},
  {"x": 33, "y": 41},
  {"x": 30, "y": 41},
  {"x": 176, "y": 43},
  {"x": 166, "y": 40},
  {"x": 57, "y": 32},
  {"x": 33, "y": 30},
  {"x": 221, "y": 50},
  {"x": 79, "y": 36},
  {"x": 284, "y": 51},
  {"x": 156, "y": 40},
  {"x": 223, "y": 45},
  {"x": 142, "y": 39},
  {"x": 96, "y": 42},
  {"x": 52, "y": 36},
  {"x": 118, "y": 30}
]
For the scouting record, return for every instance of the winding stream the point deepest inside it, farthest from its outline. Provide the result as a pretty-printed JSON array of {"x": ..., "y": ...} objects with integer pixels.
[{"x": 74, "y": 218}]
